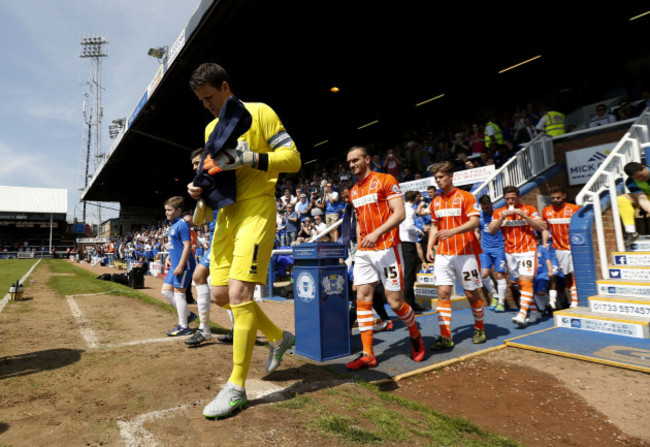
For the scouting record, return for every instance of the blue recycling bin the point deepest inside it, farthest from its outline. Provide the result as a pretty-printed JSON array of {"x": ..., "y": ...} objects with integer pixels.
[{"x": 320, "y": 286}]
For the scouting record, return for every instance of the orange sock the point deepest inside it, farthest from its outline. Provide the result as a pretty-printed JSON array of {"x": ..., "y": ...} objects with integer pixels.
[
  {"x": 444, "y": 318},
  {"x": 526, "y": 300},
  {"x": 366, "y": 321},
  {"x": 405, "y": 313},
  {"x": 477, "y": 311}
]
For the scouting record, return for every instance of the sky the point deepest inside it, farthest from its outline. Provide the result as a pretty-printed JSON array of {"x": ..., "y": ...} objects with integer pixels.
[{"x": 43, "y": 81}]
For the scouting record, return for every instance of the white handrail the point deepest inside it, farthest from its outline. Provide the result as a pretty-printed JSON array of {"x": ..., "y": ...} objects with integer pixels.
[
  {"x": 606, "y": 178},
  {"x": 531, "y": 160},
  {"x": 326, "y": 230}
]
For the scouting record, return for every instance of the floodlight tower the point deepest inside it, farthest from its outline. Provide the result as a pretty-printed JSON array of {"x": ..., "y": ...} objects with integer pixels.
[
  {"x": 88, "y": 122},
  {"x": 94, "y": 48}
]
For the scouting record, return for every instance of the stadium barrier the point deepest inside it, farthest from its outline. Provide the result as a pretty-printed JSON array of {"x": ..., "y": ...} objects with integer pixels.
[
  {"x": 607, "y": 181},
  {"x": 530, "y": 161}
]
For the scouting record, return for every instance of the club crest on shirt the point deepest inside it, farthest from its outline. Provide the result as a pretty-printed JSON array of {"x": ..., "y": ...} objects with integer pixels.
[{"x": 172, "y": 232}]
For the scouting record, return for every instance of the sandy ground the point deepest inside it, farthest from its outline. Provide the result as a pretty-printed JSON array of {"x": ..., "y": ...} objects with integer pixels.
[{"x": 107, "y": 375}]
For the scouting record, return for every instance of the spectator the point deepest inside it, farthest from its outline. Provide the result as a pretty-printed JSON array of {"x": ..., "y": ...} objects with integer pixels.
[
  {"x": 319, "y": 227},
  {"x": 288, "y": 198},
  {"x": 291, "y": 225},
  {"x": 527, "y": 133},
  {"x": 477, "y": 139},
  {"x": 316, "y": 205},
  {"x": 280, "y": 230},
  {"x": 601, "y": 118},
  {"x": 302, "y": 207},
  {"x": 393, "y": 163},
  {"x": 460, "y": 145},
  {"x": 377, "y": 164},
  {"x": 306, "y": 231},
  {"x": 343, "y": 173},
  {"x": 406, "y": 176},
  {"x": 626, "y": 111},
  {"x": 414, "y": 157},
  {"x": 532, "y": 113},
  {"x": 460, "y": 161},
  {"x": 332, "y": 209}
]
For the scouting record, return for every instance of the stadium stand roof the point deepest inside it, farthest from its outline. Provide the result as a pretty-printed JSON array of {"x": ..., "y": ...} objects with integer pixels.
[
  {"x": 15, "y": 199},
  {"x": 385, "y": 58}
]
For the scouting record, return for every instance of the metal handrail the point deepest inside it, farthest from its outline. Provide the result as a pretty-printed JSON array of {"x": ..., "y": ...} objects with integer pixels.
[
  {"x": 534, "y": 158},
  {"x": 608, "y": 176}
]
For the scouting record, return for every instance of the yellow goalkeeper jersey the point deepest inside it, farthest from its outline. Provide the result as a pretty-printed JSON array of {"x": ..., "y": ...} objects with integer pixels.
[{"x": 267, "y": 135}]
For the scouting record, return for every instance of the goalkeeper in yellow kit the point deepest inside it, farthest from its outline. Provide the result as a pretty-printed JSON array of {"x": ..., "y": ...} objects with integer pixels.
[{"x": 245, "y": 231}]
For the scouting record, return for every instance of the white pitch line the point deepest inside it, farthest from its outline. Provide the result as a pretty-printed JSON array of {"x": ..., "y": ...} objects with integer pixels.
[
  {"x": 97, "y": 293},
  {"x": 135, "y": 435},
  {"x": 84, "y": 326},
  {"x": 143, "y": 342},
  {"x": 5, "y": 300},
  {"x": 89, "y": 335}
]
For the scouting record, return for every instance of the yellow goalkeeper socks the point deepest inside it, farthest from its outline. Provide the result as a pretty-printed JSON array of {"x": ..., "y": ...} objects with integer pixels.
[
  {"x": 244, "y": 335},
  {"x": 626, "y": 210},
  {"x": 266, "y": 326}
]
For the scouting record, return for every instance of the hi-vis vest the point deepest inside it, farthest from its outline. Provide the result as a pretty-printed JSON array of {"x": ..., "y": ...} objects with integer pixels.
[
  {"x": 498, "y": 134},
  {"x": 554, "y": 123}
]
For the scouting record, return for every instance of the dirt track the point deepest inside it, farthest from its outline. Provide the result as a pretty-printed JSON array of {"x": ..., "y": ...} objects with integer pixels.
[{"x": 137, "y": 387}]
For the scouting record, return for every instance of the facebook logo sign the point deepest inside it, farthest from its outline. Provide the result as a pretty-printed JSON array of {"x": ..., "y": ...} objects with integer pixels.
[{"x": 620, "y": 259}]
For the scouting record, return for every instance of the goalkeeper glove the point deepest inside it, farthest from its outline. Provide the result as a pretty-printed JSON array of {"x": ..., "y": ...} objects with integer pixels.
[{"x": 231, "y": 158}]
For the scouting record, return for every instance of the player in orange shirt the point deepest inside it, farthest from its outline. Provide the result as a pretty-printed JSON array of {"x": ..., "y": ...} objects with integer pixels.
[
  {"x": 379, "y": 206},
  {"x": 454, "y": 217},
  {"x": 518, "y": 224},
  {"x": 557, "y": 217}
]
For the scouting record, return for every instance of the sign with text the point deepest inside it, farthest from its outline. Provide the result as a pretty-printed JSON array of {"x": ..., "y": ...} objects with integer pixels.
[
  {"x": 464, "y": 177},
  {"x": 583, "y": 163}
]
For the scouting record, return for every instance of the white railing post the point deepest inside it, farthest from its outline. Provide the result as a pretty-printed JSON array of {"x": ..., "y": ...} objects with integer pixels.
[
  {"x": 530, "y": 161},
  {"x": 605, "y": 178},
  {"x": 600, "y": 238},
  {"x": 611, "y": 186}
]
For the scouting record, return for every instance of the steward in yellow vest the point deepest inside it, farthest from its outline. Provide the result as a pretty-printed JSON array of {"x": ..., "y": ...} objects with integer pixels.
[
  {"x": 554, "y": 123},
  {"x": 498, "y": 134}
]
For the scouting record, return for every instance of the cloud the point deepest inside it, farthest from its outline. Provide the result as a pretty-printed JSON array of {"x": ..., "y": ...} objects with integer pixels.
[
  {"x": 43, "y": 79},
  {"x": 31, "y": 169}
]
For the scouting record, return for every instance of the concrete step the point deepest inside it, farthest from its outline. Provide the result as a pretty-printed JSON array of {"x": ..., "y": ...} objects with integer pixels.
[
  {"x": 637, "y": 258},
  {"x": 641, "y": 244},
  {"x": 425, "y": 290},
  {"x": 617, "y": 287},
  {"x": 582, "y": 318},
  {"x": 627, "y": 306},
  {"x": 427, "y": 296},
  {"x": 629, "y": 273},
  {"x": 425, "y": 278}
]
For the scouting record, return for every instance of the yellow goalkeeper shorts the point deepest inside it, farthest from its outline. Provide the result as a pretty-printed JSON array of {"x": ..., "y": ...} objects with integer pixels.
[{"x": 243, "y": 240}]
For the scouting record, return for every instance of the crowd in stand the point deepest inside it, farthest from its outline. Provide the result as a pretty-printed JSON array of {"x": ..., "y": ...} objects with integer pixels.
[{"x": 309, "y": 202}]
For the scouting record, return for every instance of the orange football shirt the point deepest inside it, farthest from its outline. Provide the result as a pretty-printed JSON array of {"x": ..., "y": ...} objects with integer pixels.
[
  {"x": 370, "y": 198},
  {"x": 558, "y": 221},
  {"x": 519, "y": 237},
  {"x": 449, "y": 211}
]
